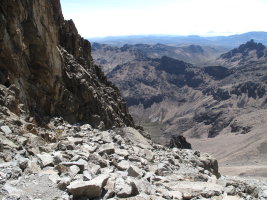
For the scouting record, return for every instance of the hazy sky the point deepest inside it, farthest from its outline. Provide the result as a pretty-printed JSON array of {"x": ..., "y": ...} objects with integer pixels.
[{"x": 98, "y": 18}]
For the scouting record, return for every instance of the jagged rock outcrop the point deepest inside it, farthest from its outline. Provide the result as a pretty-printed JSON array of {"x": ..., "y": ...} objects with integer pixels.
[
  {"x": 248, "y": 53},
  {"x": 179, "y": 141},
  {"x": 244, "y": 50},
  {"x": 47, "y": 69}
]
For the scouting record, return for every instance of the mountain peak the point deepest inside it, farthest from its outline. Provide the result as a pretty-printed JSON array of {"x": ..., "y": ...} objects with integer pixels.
[
  {"x": 244, "y": 49},
  {"x": 246, "y": 53}
]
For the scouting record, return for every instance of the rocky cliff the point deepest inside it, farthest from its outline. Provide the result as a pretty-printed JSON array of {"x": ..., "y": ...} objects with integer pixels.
[{"x": 46, "y": 68}]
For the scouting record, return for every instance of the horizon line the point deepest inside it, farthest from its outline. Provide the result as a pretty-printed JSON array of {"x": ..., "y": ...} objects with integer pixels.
[{"x": 174, "y": 35}]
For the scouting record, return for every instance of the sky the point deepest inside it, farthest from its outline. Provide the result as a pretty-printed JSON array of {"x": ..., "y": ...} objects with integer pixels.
[{"x": 101, "y": 18}]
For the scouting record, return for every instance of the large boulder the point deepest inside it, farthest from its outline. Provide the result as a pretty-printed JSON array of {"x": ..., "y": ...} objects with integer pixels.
[
  {"x": 179, "y": 141},
  {"x": 90, "y": 189}
]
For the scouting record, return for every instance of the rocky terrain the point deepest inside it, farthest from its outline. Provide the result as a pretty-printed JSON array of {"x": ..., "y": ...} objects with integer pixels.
[
  {"x": 66, "y": 134},
  {"x": 64, "y": 161},
  {"x": 111, "y": 56},
  {"x": 169, "y": 96}
]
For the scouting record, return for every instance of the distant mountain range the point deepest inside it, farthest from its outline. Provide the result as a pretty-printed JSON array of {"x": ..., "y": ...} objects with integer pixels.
[
  {"x": 110, "y": 56},
  {"x": 224, "y": 41}
]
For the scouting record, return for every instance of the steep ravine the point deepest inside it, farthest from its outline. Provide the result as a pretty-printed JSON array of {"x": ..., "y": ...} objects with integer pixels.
[{"x": 65, "y": 132}]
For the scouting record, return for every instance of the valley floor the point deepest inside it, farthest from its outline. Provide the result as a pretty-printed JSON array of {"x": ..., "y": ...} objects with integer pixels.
[
  {"x": 255, "y": 171},
  {"x": 238, "y": 155}
]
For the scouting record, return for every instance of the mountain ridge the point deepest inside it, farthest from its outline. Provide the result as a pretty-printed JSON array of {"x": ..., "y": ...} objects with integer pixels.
[
  {"x": 226, "y": 41},
  {"x": 111, "y": 56}
]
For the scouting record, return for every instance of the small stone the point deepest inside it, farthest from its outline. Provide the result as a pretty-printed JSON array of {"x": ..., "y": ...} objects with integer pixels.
[
  {"x": 23, "y": 163},
  {"x": 147, "y": 154},
  {"x": 107, "y": 170},
  {"x": 122, "y": 152},
  {"x": 75, "y": 141},
  {"x": 89, "y": 148},
  {"x": 124, "y": 189},
  {"x": 63, "y": 183},
  {"x": 62, "y": 169},
  {"x": 144, "y": 186},
  {"x": 7, "y": 142},
  {"x": 31, "y": 128},
  {"x": 118, "y": 139},
  {"x": 98, "y": 160},
  {"x": 162, "y": 169},
  {"x": 78, "y": 163},
  {"x": 87, "y": 176},
  {"x": 6, "y": 129},
  {"x": 106, "y": 137},
  {"x": 176, "y": 195},
  {"x": 264, "y": 194},
  {"x": 110, "y": 186},
  {"x": 86, "y": 127},
  {"x": 108, "y": 148},
  {"x": 45, "y": 159},
  {"x": 123, "y": 165},
  {"x": 22, "y": 140},
  {"x": 33, "y": 167},
  {"x": 230, "y": 190},
  {"x": 74, "y": 170},
  {"x": 54, "y": 178},
  {"x": 58, "y": 158},
  {"x": 134, "y": 171}
]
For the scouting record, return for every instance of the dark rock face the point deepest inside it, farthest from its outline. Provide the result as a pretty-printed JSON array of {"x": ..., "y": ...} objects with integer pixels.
[
  {"x": 254, "y": 90},
  {"x": 172, "y": 66},
  {"x": 217, "y": 93},
  {"x": 179, "y": 141},
  {"x": 217, "y": 119},
  {"x": 49, "y": 68},
  {"x": 217, "y": 72},
  {"x": 131, "y": 101}
]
